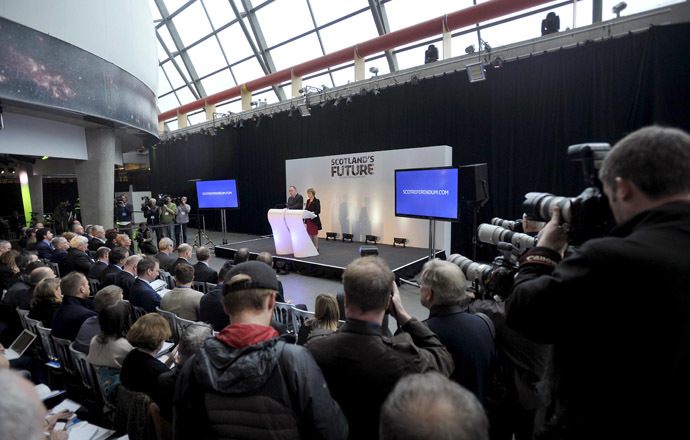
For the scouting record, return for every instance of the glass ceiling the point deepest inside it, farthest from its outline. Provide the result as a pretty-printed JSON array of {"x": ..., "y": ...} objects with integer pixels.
[{"x": 206, "y": 46}]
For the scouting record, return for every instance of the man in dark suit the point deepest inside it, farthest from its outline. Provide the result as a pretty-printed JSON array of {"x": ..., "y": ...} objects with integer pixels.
[
  {"x": 102, "y": 255},
  {"x": 116, "y": 259},
  {"x": 141, "y": 294},
  {"x": 98, "y": 240},
  {"x": 42, "y": 246},
  {"x": 75, "y": 308},
  {"x": 165, "y": 245},
  {"x": 202, "y": 270},
  {"x": 184, "y": 253},
  {"x": 77, "y": 259},
  {"x": 295, "y": 201},
  {"x": 124, "y": 279}
]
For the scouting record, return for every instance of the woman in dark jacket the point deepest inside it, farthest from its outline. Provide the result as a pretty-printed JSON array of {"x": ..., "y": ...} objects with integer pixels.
[
  {"x": 46, "y": 300},
  {"x": 324, "y": 322},
  {"x": 8, "y": 268},
  {"x": 314, "y": 224}
]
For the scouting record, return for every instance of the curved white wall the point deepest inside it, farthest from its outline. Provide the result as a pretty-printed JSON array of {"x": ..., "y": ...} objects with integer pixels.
[{"x": 119, "y": 31}]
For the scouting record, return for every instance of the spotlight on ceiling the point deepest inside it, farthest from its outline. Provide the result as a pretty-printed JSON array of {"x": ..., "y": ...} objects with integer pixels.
[
  {"x": 304, "y": 110},
  {"x": 377, "y": 92},
  {"x": 618, "y": 8},
  {"x": 475, "y": 72},
  {"x": 2, "y": 171},
  {"x": 431, "y": 54},
  {"x": 348, "y": 101},
  {"x": 497, "y": 63},
  {"x": 241, "y": 123},
  {"x": 12, "y": 171},
  {"x": 337, "y": 101},
  {"x": 374, "y": 70},
  {"x": 551, "y": 24},
  {"x": 469, "y": 49}
]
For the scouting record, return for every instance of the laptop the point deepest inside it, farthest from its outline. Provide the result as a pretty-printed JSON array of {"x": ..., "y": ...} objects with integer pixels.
[{"x": 20, "y": 345}]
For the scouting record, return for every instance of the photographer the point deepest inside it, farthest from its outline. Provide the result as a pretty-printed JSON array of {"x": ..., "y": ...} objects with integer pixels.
[
  {"x": 123, "y": 211},
  {"x": 618, "y": 370},
  {"x": 153, "y": 217},
  {"x": 168, "y": 213},
  {"x": 182, "y": 220}
]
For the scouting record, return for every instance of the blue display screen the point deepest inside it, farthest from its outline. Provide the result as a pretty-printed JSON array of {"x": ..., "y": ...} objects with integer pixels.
[
  {"x": 427, "y": 193},
  {"x": 217, "y": 194}
]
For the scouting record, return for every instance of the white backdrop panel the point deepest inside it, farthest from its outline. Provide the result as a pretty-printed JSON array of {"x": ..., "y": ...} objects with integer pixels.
[{"x": 357, "y": 192}]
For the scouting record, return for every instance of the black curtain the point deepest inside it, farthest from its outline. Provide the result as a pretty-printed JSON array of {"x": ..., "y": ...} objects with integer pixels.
[{"x": 520, "y": 121}]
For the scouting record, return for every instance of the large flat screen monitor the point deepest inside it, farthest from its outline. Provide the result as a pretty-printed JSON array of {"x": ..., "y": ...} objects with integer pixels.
[
  {"x": 430, "y": 193},
  {"x": 217, "y": 194}
]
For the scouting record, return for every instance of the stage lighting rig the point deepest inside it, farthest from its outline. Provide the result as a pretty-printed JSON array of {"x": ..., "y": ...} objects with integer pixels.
[
  {"x": 469, "y": 49},
  {"x": 551, "y": 24},
  {"x": 431, "y": 54},
  {"x": 337, "y": 101},
  {"x": 400, "y": 240},
  {"x": 371, "y": 238},
  {"x": 475, "y": 72},
  {"x": 374, "y": 70}
]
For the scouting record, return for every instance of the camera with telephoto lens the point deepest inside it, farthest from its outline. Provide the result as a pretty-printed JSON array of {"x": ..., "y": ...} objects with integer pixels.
[
  {"x": 513, "y": 225},
  {"x": 588, "y": 215},
  {"x": 489, "y": 281},
  {"x": 493, "y": 234}
]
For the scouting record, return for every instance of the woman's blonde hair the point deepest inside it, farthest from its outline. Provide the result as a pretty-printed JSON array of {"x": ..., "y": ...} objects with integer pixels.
[
  {"x": 45, "y": 292},
  {"x": 149, "y": 331},
  {"x": 326, "y": 313}
]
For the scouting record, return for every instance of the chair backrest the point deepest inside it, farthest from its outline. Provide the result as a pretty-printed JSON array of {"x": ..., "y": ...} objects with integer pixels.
[
  {"x": 87, "y": 373},
  {"x": 199, "y": 286},
  {"x": 94, "y": 285},
  {"x": 31, "y": 325},
  {"x": 63, "y": 354},
  {"x": 298, "y": 318},
  {"x": 210, "y": 286},
  {"x": 168, "y": 278},
  {"x": 47, "y": 343},
  {"x": 55, "y": 267},
  {"x": 182, "y": 325},
  {"x": 22, "y": 316},
  {"x": 162, "y": 426},
  {"x": 131, "y": 410},
  {"x": 281, "y": 313},
  {"x": 172, "y": 322}
]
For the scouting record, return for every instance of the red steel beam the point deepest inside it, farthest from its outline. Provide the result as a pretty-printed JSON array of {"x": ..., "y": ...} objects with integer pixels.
[{"x": 456, "y": 20}]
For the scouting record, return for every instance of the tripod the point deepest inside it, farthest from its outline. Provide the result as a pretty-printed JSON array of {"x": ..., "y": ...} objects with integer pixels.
[{"x": 201, "y": 233}]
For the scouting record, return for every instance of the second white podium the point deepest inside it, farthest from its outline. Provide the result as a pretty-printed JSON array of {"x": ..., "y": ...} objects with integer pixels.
[{"x": 301, "y": 244}]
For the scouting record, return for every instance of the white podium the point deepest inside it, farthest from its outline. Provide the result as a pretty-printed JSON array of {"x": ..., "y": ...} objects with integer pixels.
[
  {"x": 289, "y": 233},
  {"x": 281, "y": 234}
]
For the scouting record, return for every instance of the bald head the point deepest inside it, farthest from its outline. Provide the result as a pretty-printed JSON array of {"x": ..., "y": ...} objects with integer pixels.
[
  {"x": 184, "y": 251},
  {"x": 41, "y": 273}
]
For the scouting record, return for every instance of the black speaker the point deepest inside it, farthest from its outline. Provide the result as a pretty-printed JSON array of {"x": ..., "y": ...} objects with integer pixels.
[{"x": 474, "y": 183}]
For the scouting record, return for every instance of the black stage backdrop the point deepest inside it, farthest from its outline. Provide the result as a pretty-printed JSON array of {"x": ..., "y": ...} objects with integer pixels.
[{"x": 520, "y": 121}]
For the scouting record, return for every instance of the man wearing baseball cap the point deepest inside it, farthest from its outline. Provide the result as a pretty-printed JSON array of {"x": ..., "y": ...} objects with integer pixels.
[{"x": 246, "y": 382}]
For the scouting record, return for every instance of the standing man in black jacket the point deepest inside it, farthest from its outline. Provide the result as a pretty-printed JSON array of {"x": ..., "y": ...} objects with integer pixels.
[
  {"x": 246, "y": 382},
  {"x": 360, "y": 364},
  {"x": 295, "y": 201},
  {"x": 619, "y": 370}
]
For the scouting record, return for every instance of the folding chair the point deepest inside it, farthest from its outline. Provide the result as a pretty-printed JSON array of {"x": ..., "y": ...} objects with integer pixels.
[
  {"x": 199, "y": 286},
  {"x": 298, "y": 318},
  {"x": 92, "y": 397},
  {"x": 281, "y": 313},
  {"x": 182, "y": 325},
  {"x": 22, "y": 316},
  {"x": 172, "y": 322}
]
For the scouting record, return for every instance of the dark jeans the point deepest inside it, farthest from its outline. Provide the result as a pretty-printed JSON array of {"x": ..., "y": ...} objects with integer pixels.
[
  {"x": 168, "y": 230},
  {"x": 181, "y": 232}
]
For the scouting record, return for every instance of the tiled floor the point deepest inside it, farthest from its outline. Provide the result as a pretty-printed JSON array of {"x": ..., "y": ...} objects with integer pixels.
[{"x": 303, "y": 289}]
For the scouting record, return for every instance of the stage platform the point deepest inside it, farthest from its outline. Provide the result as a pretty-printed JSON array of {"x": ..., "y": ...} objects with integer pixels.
[{"x": 334, "y": 256}]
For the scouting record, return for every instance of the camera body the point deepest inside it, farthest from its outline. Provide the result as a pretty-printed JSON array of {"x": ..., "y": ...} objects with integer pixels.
[{"x": 588, "y": 215}]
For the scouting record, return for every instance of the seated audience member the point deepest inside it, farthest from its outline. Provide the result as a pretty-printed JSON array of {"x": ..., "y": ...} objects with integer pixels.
[
  {"x": 102, "y": 258},
  {"x": 140, "y": 369},
  {"x": 125, "y": 278},
  {"x": 165, "y": 245},
  {"x": 184, "y": 252},
  {"x": 241, "y": 255},
  {"x": 324, "y": 322},
  {"x": 77, "y": 258},
  {"x": 116, "y": 260},
  {"x": 111, "y": 239},
  {"x": 190, "y": 341},
  {"x": 360, "y": 365},
  {"x": 20, "y": 281},
  {"x": 110, "y": 347},
  {"x": 45, "y": 302},
  {"x": 8, "y": 268},
  {"x": 202, "y": 270},
  {"x": 183, "y": 300},
  {"x": 30, "y": 239},
  {"x": 277, "y": 385},
  {"x": 21, "y": 293},
  {"x": 78, "y": 229},
  {"x": 43, "y": 247},
  {"x": 70, "y": 235},
  {"x": 22, "y": 414},
  {"x": 466, "y": 336},
  {"x": 75, "y": 308},
  {"x": 266, "y": 257},
  {"x": 429, "y": 406},
  {"x": 211, "y": 305},
  {"x": 97, "y": 238},
  {"x": 123, "y": 240},
  {"x": 105, "y": 297},
  {"x": 61, "y": 245},
  {"x": 5, "y": 246},
  {"x": 145, "y": 237},
  {"x": 141, "y": 294}
]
